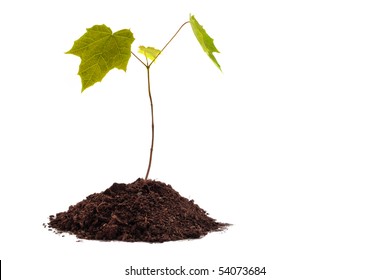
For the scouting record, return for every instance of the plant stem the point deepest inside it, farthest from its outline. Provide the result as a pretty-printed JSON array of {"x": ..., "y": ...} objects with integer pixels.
[
  {"x": 151, "y": 110},
  {"x": 147, "y": 65}
]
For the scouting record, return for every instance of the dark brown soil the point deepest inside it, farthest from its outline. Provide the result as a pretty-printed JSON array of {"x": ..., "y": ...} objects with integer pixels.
[{"x": 145, "y": 210}]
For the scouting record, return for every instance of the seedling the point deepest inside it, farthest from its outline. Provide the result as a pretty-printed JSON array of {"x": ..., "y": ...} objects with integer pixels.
[{"x": 101, "y": 50}]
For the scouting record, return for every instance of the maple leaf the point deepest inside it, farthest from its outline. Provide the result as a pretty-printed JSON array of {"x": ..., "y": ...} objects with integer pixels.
[
  {"x": 100, "y": 51},
  {"x": 206, "y": 42}
]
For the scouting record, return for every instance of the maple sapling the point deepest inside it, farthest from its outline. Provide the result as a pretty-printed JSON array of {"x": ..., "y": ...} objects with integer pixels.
[
  {"x": 145, "y": 210},
  {"x": 101, "y": 50}
]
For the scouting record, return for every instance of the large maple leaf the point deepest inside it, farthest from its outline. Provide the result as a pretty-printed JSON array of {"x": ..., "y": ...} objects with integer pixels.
[{"x": 100, "y": 51}]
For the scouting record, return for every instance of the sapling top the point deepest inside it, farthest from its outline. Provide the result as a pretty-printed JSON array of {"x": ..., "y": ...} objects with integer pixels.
[{"x": 101, "y": 50}]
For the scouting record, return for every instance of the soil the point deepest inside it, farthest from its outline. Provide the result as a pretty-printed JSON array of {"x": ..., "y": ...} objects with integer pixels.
[{"x": 145, "y": 210}]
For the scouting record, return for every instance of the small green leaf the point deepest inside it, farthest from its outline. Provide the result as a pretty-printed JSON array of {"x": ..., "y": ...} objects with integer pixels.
[
  {"x": 149, "y": 52},
  {"x": 101, "y": 51},
  {"x": 204, "y": 40}
]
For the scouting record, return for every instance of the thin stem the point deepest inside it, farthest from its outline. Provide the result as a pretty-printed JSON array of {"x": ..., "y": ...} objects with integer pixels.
[
  {"x": 166, "y": 45},
  {"x": 151, "y": 109},
  {"x": 147, "y": 65}
]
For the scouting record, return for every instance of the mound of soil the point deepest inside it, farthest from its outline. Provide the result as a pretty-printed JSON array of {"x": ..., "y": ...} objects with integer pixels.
[{"x": 145, "y": 210}]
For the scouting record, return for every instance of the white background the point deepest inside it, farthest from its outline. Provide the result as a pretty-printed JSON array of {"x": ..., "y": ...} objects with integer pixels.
[{"x": 290, "y": 143}]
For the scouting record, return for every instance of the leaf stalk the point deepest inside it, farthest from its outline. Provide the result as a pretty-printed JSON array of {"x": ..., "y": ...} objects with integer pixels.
[{"x": 173, "y": 37}]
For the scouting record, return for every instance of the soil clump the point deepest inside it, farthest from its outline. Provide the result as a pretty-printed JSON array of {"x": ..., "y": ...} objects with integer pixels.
[{"x": 145, "y": 210}]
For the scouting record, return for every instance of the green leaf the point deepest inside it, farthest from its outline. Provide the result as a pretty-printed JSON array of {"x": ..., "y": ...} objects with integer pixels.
[
  {"x": 204, "y": 40},
  {"x": 149, "y": 52},
  {"x": 101, "y": 51}
]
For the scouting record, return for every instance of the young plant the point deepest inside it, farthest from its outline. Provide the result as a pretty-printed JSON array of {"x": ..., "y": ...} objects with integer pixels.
[{"x": 101, "y": 50}]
